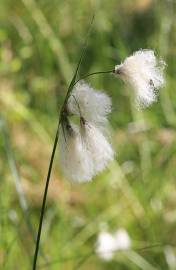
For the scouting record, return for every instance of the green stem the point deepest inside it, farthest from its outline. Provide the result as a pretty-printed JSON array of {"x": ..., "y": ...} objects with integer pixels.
[
  {"x": 63, "y": 115},
  {"x": 44, "y": 199},
  {"x": 94, "y": 73}
]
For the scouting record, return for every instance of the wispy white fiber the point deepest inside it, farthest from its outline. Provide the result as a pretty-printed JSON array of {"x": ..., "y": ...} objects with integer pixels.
[
  {"x": 76, "y": 162},
  {"x": 98, "y": 146},
  {"x": 84, "y": 151},
  {"x": 94, "y": 106},
  {"x": 107, "y": 243},
  {"x": 144, "y": 73}
]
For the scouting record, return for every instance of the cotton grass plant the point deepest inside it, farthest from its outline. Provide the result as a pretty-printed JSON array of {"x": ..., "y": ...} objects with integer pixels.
[{"x": 85, "y": 147}]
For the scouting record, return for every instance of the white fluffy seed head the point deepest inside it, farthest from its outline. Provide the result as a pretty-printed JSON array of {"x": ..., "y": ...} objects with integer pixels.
[
  {"x": 98, "y": 146},
  {"x": 84, "y": 152},
  {"x": 94, "y": 106},
  {"x": 76, "y": 162},
  {"x": 144, "y": 73}
]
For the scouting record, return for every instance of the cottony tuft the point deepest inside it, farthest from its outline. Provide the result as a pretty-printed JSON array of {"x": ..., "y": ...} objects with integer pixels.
[
  {"x": 93, "y": 105},
  {"x": 144, "y": 73}
]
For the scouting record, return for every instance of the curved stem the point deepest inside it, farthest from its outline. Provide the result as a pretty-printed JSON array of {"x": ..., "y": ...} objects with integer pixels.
[
  {"x": 44, "y": 199},
  {"x": 61, "y": 117},
  {"x": 94, "y": 73}
]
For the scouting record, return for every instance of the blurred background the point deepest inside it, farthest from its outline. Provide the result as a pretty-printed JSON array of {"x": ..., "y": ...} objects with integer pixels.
[{"x": 40, "y": 47}]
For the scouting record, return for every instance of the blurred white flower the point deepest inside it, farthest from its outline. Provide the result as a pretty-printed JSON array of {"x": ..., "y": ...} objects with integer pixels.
[
  {"x": 144, "y": 73},
  {"x": 98, "y": 146},
  {"x": 76, "y": 162},
  {"x": 94, "y": 106},
  {"x": 105, "y": 246},
  {"x": 122, "y": 239},
  {"x": 170, "y": 257},
  {"x": 107, "y": 243}
]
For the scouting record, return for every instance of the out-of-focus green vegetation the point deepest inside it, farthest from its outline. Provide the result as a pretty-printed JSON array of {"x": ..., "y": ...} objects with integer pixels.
[{"x": 40, "y": 46}]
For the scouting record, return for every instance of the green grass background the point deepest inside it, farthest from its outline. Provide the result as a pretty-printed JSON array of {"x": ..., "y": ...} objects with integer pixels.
[{"x": 40, "y": 46}]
